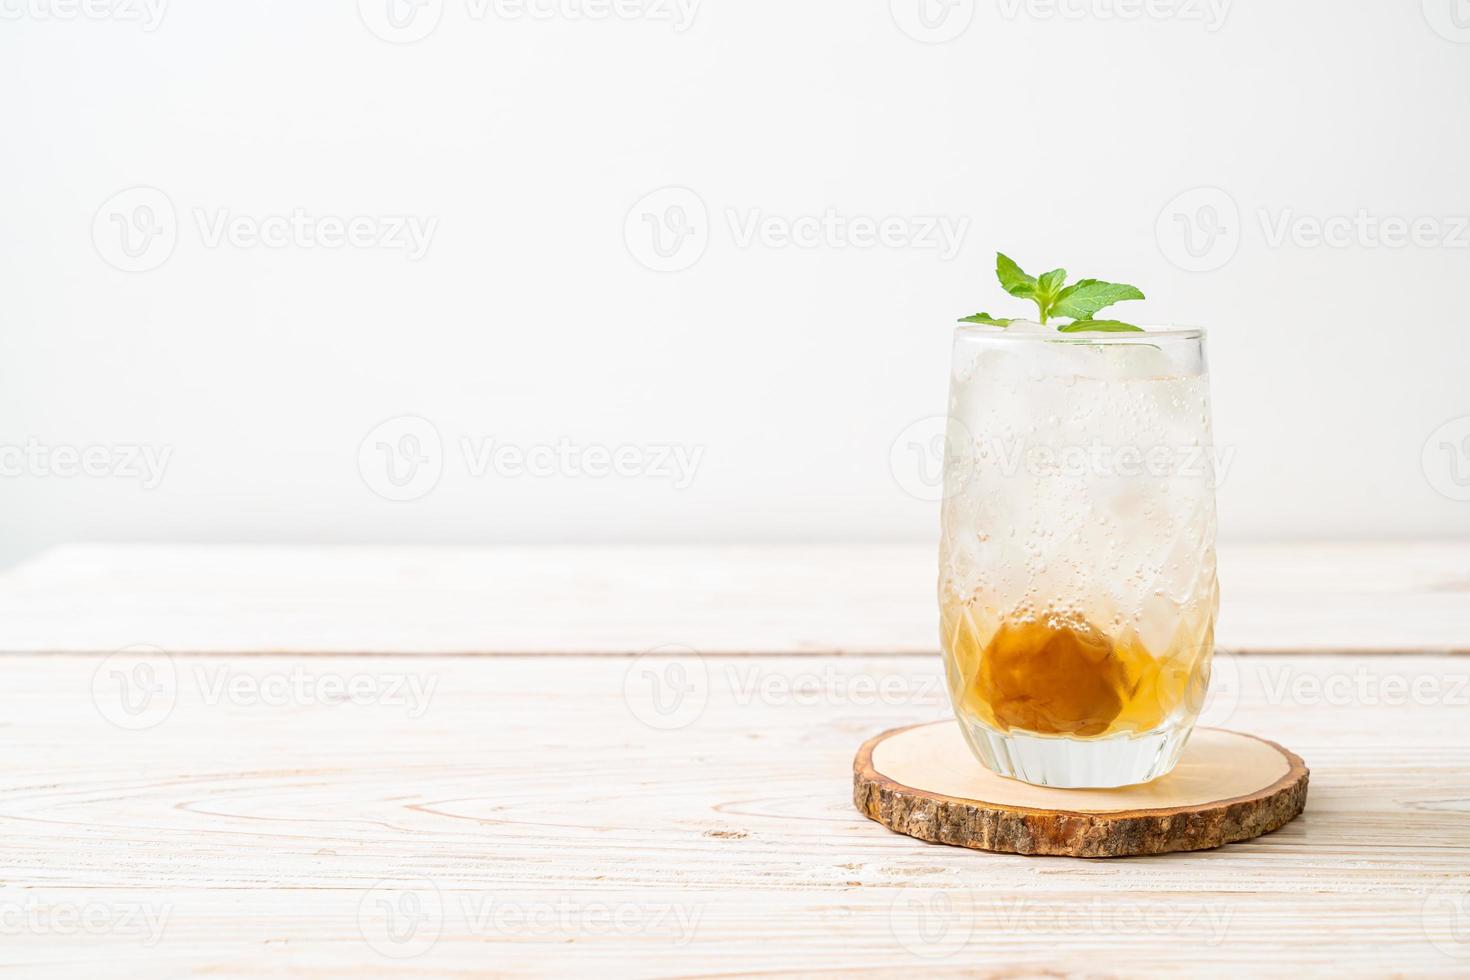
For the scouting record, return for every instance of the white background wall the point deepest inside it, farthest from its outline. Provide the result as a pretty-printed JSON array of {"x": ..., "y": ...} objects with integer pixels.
[{"x": 1064, "y": 134}]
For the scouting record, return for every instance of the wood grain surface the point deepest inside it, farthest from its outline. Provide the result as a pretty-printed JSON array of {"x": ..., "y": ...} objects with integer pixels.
[
  {"x": 823, "y": 600},
  {"x": 180, "y": 815},
  {"x": 622, "y": 600}
]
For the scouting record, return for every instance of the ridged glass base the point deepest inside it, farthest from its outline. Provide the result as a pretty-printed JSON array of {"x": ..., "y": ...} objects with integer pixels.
[{"x": 1077, "y": 763}]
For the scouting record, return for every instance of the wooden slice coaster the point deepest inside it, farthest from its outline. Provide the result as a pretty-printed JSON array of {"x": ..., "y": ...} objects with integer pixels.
[{"x": 923, "y": 781}]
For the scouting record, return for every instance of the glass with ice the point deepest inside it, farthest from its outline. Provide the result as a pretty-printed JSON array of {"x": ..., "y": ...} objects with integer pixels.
[{"x": 1077, "y": 570}]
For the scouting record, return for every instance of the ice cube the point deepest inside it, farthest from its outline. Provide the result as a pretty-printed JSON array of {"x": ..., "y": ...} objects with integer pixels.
[{"x": 1029, "y": 326}]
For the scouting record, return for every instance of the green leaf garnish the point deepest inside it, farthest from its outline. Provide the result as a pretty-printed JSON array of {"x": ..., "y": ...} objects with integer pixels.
[
  {"x": 986, "y": 318},
  {"x": 1053, "y": 297},
  {"x": 1084, "y": 298},
  {"x": 1012, "y": 279},
  {"x": 1100, "y": 326}
]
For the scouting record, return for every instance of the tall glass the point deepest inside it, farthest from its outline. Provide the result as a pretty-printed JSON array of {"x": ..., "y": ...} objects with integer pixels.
[{"x": 1077, "y": 585}]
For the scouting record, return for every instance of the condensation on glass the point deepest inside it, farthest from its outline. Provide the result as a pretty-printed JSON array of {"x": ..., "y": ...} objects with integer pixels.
[{"x": 1077, "y": 584}]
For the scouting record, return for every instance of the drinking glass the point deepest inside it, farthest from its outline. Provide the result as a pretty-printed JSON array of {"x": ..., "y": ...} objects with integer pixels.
[{"x": 1077, "y": 586}]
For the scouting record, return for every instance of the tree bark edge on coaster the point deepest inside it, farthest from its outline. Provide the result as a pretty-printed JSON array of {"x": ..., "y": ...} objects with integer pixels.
[{"x": 1174, "y": 813}]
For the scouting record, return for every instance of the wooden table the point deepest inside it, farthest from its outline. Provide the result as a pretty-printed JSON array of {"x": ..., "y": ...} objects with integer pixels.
[{"x": 637, "y": 761}]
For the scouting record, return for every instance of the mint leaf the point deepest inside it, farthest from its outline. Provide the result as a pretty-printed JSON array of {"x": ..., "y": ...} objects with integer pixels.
[
  {"x": 1048, "y": 287},
  {"x": 1012, "y": 279},
  {"x": 1051, "y": 282},
  {"x": 1053, "y": 297},
  {"x": 1086, "y": 296},
  {"x": 1100, "y": 326}
]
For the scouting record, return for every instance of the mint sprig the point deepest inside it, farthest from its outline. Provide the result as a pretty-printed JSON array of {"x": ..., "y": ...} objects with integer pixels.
[
  {"x": 1099, "y": 326},
  {"x": 1079, "y": 301},
  {"x": 985, "y": 318}
]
